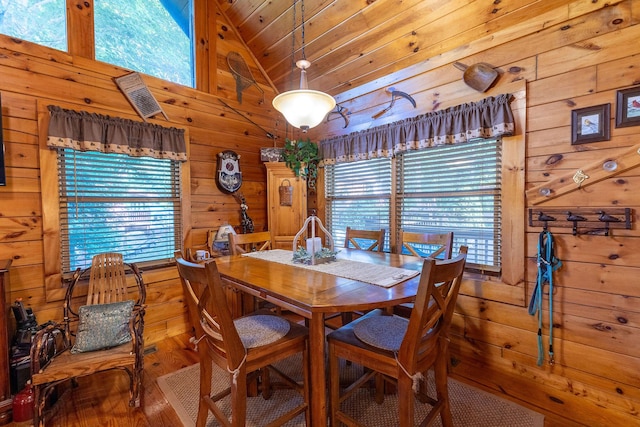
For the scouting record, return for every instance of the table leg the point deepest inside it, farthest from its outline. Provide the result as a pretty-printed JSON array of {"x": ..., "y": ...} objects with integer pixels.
[{"x": 318, "y": 370}]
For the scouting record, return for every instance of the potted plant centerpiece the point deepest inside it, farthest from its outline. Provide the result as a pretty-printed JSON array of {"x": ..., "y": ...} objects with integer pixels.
[{"x": 302, "y": 157}]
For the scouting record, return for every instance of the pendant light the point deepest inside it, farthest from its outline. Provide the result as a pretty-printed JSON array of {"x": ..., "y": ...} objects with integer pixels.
[{"x": 303, "y": 108}]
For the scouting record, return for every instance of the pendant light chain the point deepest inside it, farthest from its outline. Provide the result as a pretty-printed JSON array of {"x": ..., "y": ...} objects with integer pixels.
[
  {"x": 293, "y": 43},
  {"x": 302, "y": 27}
]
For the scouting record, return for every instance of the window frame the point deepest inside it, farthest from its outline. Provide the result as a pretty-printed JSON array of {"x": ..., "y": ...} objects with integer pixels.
[{"x": 55, "y": 286}]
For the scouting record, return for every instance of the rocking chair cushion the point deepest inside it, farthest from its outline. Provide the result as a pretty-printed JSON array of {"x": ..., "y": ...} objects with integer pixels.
[{"x": 103, "y": 326}]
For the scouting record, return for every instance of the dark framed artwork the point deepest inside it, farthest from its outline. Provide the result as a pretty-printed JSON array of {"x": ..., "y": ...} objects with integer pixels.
[
  {"x": 628, "y": 107},
  {"x": 590, "y": 124}
]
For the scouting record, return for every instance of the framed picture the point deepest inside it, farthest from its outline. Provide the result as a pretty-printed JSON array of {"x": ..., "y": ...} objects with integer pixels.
[
  {"x": 628, "y": 107},
  {"x": 590, "y": 124}
]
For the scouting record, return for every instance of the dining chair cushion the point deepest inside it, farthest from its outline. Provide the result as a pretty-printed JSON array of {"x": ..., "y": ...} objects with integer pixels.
[
  {"x": 385, "y": 332},
  {"x": 261, "y": 329},
  {"x": 103, "y": 326}
]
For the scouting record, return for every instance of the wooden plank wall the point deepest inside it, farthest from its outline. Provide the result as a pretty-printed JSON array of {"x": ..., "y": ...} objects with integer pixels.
[
  {"x": 32, "y": 75},
  {"x": 572, "y": 57}
]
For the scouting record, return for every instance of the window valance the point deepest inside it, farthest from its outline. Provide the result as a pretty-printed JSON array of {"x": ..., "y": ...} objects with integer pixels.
[
  {"x": 84, "y": 131},
  {"x": 490, "y": 117}
]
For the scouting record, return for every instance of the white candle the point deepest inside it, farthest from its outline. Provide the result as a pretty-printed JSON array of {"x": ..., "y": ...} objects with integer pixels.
[{"x": 314, "y": 245}]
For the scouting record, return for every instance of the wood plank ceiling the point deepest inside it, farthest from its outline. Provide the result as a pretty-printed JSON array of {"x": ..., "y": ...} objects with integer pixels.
[{"x": 360, "y": 46}]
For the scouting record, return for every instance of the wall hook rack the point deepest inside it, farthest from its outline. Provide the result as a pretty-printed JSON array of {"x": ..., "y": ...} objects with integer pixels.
[{"x": 591, "y": 220}]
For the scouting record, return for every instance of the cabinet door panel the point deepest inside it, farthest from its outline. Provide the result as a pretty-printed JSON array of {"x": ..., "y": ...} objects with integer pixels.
[{"x": 285, "y": 220}]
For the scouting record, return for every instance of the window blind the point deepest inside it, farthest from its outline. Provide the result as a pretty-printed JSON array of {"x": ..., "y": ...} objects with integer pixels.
[
  {"x": 117, "y": 203},
  {"x": 447, "y": 188},
  {"x": 454, "y": 188},
  {"x": 358, "y": 196}
]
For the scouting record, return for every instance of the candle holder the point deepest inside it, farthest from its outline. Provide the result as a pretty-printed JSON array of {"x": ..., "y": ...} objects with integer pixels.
[{"x": 314, "y": 253}]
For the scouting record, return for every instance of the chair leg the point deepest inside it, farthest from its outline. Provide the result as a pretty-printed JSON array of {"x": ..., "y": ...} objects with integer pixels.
[
  {"x": 136, "y": 384},
  {"x": 442, "y": 391},
  {"x": 205, "y": 392},
  {"x": 265, "y": 377},
  {"x": 334, "y": 386},
  {"x": 405, "y": 400},
  {"x": 306, "y": 387},
  {"x": 39, "y": 402},
  {"x": 347, "y": 317},
  {"x": 239, "y": 399}
]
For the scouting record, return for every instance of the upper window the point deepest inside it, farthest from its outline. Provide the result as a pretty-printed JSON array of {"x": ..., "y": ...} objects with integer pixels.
[
  {"x": 41, "y": 22},
  {"x": 117, "y": 203},
  {"x": 447, "y": 188},
  {"x": 152, "y": 36}
]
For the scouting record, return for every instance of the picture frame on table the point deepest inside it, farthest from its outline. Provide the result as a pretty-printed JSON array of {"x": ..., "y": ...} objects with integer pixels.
[
  {"x": 628, "y": 107},
  {"x": 591, "y": 124}
]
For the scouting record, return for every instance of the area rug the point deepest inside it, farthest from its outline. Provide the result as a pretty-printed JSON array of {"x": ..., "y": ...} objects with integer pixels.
[{"x": 469, "y": 405}]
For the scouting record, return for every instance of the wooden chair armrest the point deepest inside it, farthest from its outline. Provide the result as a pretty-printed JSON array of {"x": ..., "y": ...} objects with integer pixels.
[{"x": 46, "y": 344}]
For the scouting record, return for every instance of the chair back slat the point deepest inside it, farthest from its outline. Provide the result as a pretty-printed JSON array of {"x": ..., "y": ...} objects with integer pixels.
[
  {"x": 250, "y": 242},
  {"x": 359, "y": 239},
  {"x": 208, "y": 310},
  {"x": 434, "y": 245},
  {"x": 433, "y": 308},
  {"x": 107, "y": 280}
]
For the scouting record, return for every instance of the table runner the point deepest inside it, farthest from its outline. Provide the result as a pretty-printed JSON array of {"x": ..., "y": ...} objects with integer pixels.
[{"x": 375, "y": 274}]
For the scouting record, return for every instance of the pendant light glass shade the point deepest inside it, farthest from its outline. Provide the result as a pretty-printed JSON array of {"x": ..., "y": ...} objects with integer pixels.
[{"x": 304, "y": 108}]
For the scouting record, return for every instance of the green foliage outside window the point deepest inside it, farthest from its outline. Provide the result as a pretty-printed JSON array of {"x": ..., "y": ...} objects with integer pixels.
[
  {"x": 38, "y": 21},
  {"x": 134, "y": 34}
]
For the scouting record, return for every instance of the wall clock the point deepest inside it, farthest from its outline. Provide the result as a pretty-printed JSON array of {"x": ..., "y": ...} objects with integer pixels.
[{"x": 229, "y": 176}]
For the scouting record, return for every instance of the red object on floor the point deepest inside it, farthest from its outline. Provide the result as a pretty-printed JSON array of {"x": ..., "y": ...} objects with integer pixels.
[{"x": 23, "y": 405}]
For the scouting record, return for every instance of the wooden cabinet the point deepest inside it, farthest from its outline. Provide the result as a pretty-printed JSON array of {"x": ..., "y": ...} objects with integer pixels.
[
  {"x": 5, "y": 387},
  {"x": 285, "y": 220}
]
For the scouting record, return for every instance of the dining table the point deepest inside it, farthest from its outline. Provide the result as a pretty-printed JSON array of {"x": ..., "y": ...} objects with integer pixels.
[{"x": 314, "y": 291}]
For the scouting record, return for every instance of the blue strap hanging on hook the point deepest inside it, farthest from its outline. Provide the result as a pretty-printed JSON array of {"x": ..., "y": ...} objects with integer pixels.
[{"x": 547, "y": 264}]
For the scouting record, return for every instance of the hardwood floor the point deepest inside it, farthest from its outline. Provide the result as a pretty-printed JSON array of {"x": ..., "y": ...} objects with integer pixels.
[{"x": 101, "y": 400}]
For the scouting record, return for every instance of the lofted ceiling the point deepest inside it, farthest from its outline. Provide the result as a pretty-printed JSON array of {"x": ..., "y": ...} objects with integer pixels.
[{"x": 360, "y": 46}]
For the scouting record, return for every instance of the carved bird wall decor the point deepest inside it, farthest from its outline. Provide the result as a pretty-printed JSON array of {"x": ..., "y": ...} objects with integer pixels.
[
  {"x": 575, "y": 219},
  {"x": 606, "y": 218}
]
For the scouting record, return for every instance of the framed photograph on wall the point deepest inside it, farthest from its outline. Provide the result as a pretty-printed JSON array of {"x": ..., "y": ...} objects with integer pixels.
[
  {"x": 628, "y": 107},
  {"x": 590, "y": 124}
]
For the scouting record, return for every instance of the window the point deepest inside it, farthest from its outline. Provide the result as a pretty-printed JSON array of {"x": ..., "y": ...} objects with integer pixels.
[
  {"x": 358, "y": 196},
  {"x": 150, "y": 36},
  {"x": 38, "y": 21},
  {"x": 447, "y": 188},
  {"x": 117, "y": 203}
]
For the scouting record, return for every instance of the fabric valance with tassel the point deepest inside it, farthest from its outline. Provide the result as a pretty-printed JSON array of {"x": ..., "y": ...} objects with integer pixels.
[
  {"x": 85, "y": 131},
  {"x": 487, "y": 118}
]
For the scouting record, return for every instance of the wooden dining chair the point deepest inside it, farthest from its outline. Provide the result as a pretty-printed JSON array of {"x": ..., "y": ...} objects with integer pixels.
[
  {"x": 367, "y": 240},
  {"x": 435, "y": 245},
  {"x": 245, "y": 347},
  {"x": 100, "y": 332},
  {"x": 401, "y": 351},
  {"x": 250, "y": 242}
]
